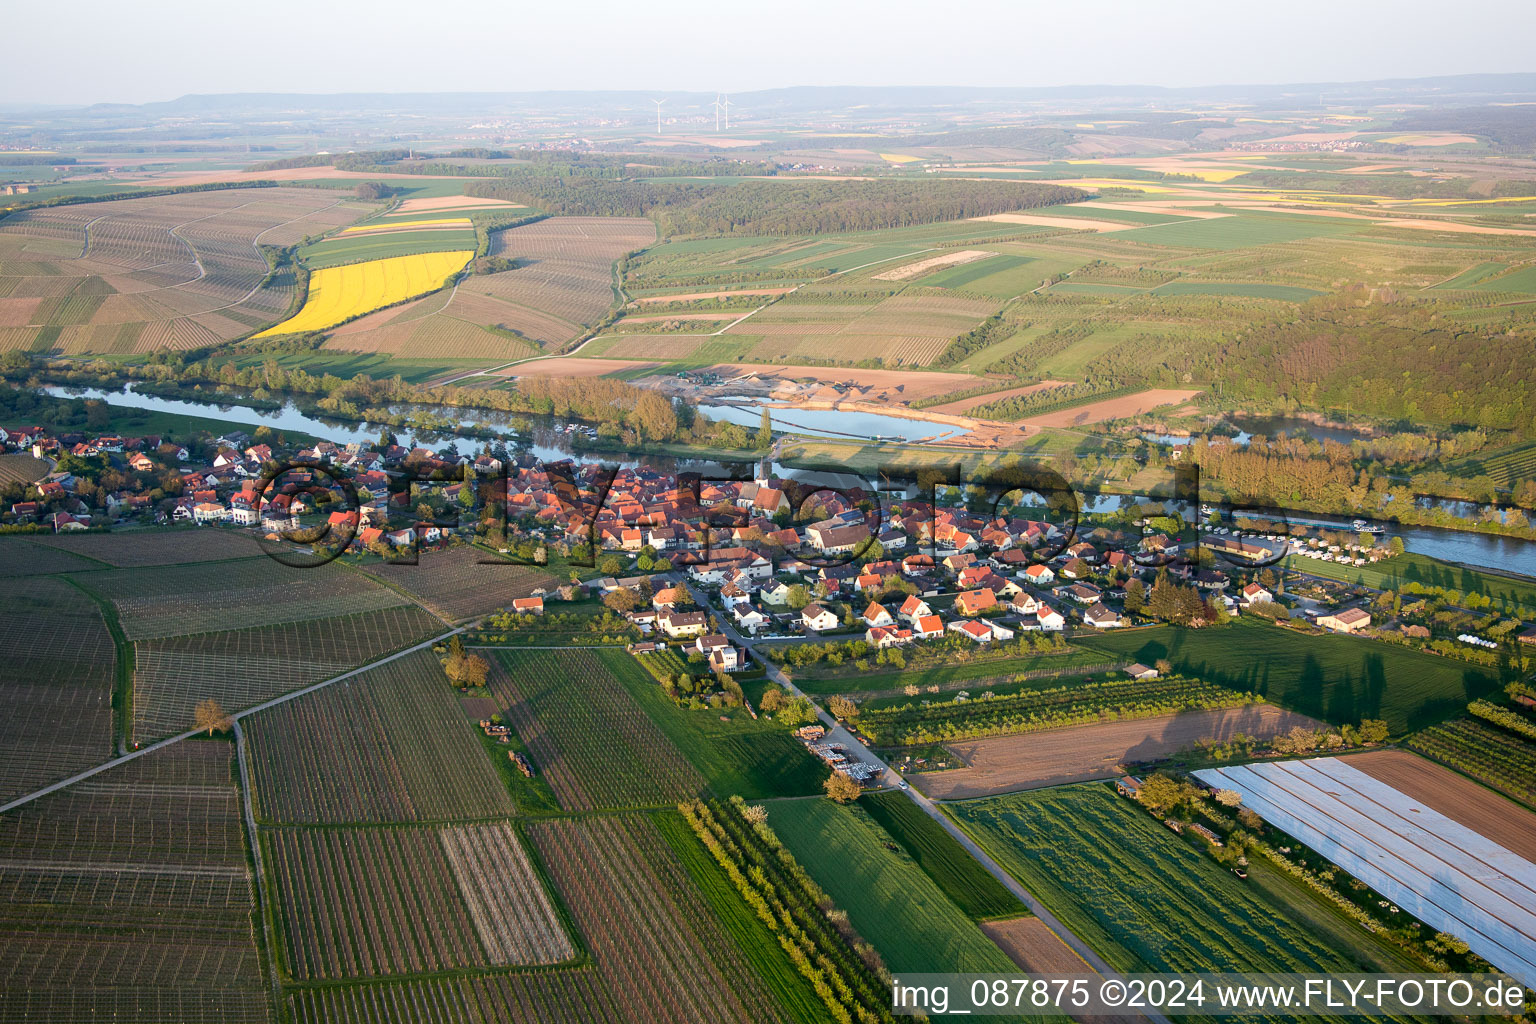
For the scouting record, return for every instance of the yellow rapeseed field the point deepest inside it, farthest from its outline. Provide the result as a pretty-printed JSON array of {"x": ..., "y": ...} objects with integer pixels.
[
  {"x": 458, "y": 222},
  {"x": 337, "y": 294}
]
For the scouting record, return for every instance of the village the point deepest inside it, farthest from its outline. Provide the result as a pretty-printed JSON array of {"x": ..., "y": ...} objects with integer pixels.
[{"x": 776, "y": 560}]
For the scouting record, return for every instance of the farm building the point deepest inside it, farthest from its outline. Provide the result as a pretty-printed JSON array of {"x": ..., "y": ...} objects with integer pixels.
[
  {"x": 1129, "y": 786},
  {"x": 1346, "y": 621}
]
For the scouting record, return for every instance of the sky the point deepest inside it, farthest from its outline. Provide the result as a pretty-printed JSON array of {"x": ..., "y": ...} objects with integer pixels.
[{"x": 90, "y": 51}]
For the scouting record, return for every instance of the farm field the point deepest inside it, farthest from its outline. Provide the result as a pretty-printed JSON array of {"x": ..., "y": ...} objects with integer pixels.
[
  {"x": 460, "y": 583},
  {"x": 660, "y": 953},
  {"x": 337, "y": 294},
  {"x": 135, "y": 275},
  {"x": 1498, "y": 759},
  {"x": 1410, "y": 567},
  {"x": 737, "y": 756},
  {"x": 587, "y": 735},
  {"x": 243, "y": 667},
  {"x": 20, "y": 557},
  {"x": 1090, "y": 413},
  {"x": 372, "y": 902},
  {"x": 20, "y": 468},
  {"x": 1339, "y": 679},
  {"x": 142, "y": 548},
  {"x": 1143, "y": 898},
  {"x": 1033, "y": 946},
  {"x": 564, "y": 282},
  {"x": 891, "y": 901},
  {"x": 1443, "y": 873},
  {"x": 211, "y": 596},
  {"x": 1452, "y": 795},
  {"x": 128, "y": 897},
  {"x": 815, "y": 679},
  {"x": 956, "y": 872},
  {"x": 1032, "y": 705},
  {"x": 1003, "y": 764},
  {"x": 57, "y": 669},
  {"x": 389, "y": 745}
]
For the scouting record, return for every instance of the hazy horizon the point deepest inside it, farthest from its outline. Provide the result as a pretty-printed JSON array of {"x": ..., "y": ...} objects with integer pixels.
[{"x": 172, "y": 48}]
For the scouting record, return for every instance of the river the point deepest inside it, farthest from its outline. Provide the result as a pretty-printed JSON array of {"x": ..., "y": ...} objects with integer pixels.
[{"x": 547, "y": 441}]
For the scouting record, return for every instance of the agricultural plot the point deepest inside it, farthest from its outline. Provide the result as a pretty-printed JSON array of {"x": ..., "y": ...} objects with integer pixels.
[
  {"x": 736, "y": 754},
  {"x": 955, "y": 871},
  {"x": 1443, "y": 873},
  {"x": 212, "y": 596},
  {"x": 391, "y": 744},
  {"x": 243, "y": 667},
  {"x": 1334, "y": 677},
  {"x": 910, "y": 328},
  {"x": 587, "y": 735},
  {"x": 372, "y": 902},
  {"x": 461, "y": 583},
  {"x": 339, "y": 293},
  {"x": 659, "y": 951},
  {"x": 133, "y": 275},
  {"x": 1004, "y": 764},
  {"x": 1140, "y": 896},
  {"x": 127, "y": 897},
  {"x": 379, "y": 243},
  {"x": 564, "y": 282},
  {"x": 1498, "y": 759},
  {"x": 1453, "y": 795},
  {"x": 1032, "y": 709},
  {"x": 57, "y": 668},
  {"x": 890, "y": 900},
  {"x": 20, "y": 468},
  {"x": 154, "y": 547},
  {"x": 23, "y": 558}
]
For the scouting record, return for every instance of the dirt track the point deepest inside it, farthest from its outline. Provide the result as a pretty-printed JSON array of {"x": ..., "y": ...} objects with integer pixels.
[
  {"x": 1460, "y": 799},
  {"x": 1003, "y": 764}
]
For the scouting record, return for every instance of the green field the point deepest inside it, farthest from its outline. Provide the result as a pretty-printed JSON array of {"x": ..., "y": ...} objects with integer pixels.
[
  {"x": 1284, "y": 293},
  {"x": 892, "y": 903},
  {"x": 959, "y": 277},
  {"x": 1392, "y": 573},
  {"x": 1470, "y": 277},
  {"x": 1338, "y": 678},
  {"x": 750, "y": 934},
  {"x": 739, "y": 756},
  {"x": 955, "y": 871},
  {"x": 817, "y": 680},
  {"x": 1522, "y": 280},
  {"x": 1150, "y": 901},
  {"x": 334, "y": 252},
  {"x": 1242, "y": 231}
]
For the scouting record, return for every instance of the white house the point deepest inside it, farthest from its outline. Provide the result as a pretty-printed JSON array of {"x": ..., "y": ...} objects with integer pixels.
[
  {"x": 1050, "y": 620},
  {"x": 876, "y": 615},
  {"x": 1102, "y": 617},
  {"x": 209, "y": 512},
  {"x": 243, "y": 515},
  {"x": 999, "y": 631},
  {"x": 1253, "y": 593},
  {"x": 973, "y": 629},
  {"x": 748, "y": 617},
  {"x": 815, "y": 617},
  {"x": 914, "y": 608},
  {"x": 1038, "y": 574}
]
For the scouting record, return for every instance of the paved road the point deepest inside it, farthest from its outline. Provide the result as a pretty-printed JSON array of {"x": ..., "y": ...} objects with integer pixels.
[{"x": 838, "y": 734}]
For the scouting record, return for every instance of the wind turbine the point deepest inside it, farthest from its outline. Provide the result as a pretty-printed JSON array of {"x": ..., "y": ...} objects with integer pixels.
[
  {"x": 658, "y": 114},
  {"x": 717, "y": 112},
  {"x": 725, "y": 105}
]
